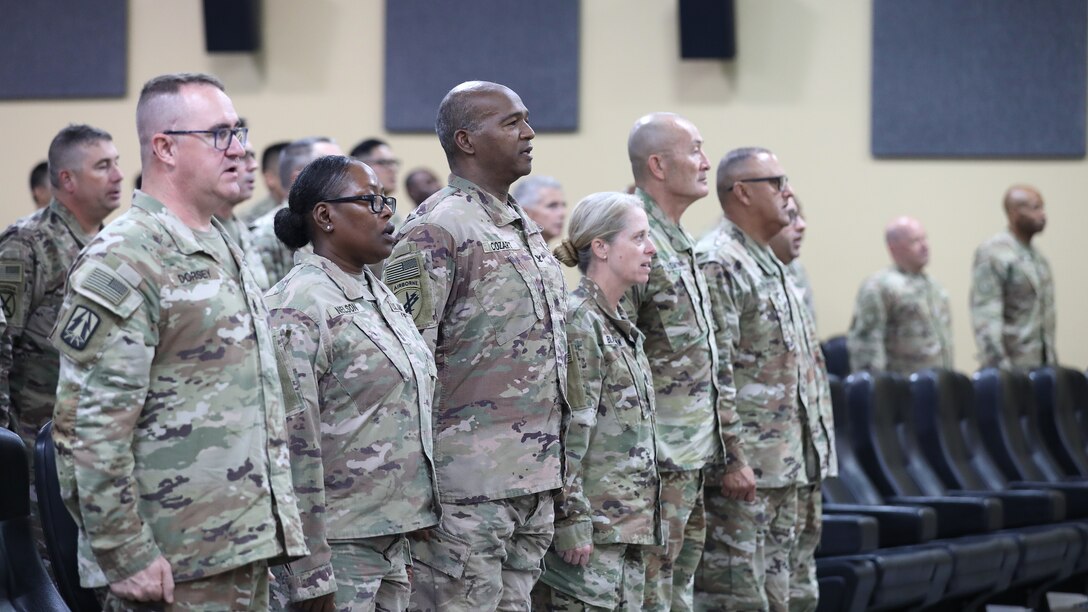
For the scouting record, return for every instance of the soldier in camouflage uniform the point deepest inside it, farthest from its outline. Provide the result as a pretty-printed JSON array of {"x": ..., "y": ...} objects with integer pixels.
[
  {"x": 277, "y": 258},
  {"x": 169, "y": 425},
  {"x": 361, "y": 446},
  {"x": 276, "y": 196},
  {"x": 1012, "y": 290},
  {"x": 234, "y": 226},
  {"x": 35, "y": 254},
  {"x": 902, "y": 320},
  {"x": 488, "y": 296},
  {"x": 778, "y": 444},
  {"x": 608, "y": 510},
  {"x": 804, "y": 587},
  {"x": 673, "y": 310},
  {"x": 786, "y": 246}
]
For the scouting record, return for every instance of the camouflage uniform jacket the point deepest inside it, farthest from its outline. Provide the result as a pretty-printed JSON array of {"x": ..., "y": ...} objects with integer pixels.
[
  {"x": 611, "y": 493},
  {"x": 361, "y": 444},
  {"x": 673, "y": 310},
  {"x": 489, "y": 298},
  {"x": 902, "y": 323},
  {"x": 277, "y": 258},
  {"x": 257, "y": 210},
  {"x": 1012, "y": 304},
  {"x": 35, "y": 254},
  {"x": 817, "y": 390},
  {"x": 169, "y": 423},
  {"x": 762, "y": 339},
  {"x": 241, "y": 235},
  {"x": 800, "y": 279}
]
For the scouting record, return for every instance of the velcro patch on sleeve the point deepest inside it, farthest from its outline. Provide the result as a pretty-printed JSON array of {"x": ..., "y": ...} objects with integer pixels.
[
  {"x": 404, "y": 277},
  {"x": 11, "y": 288},
  {"x": 80, "y": 327},
  {"x": 105, "y": 287}
]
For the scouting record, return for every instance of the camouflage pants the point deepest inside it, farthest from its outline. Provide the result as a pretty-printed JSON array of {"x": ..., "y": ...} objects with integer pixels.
[
  {"x": 804, "y": 588},
  {"x": 371, "y": 576},
  {"x": 243, "y": 588},
  {"x": 746, "y": 564},
  {"x": 614, "y": 579},
  {"x": 484, "y": 556},
  {"x": 670, "y": 570}
]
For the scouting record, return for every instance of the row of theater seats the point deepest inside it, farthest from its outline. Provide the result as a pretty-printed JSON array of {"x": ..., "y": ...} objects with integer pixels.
[{"x": 955, "y": 493}]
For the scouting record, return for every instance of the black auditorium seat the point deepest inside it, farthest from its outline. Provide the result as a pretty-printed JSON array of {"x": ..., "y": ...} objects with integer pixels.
[
  {"x": 24, "y": 584},
  {"x": 1061, "y": 394},
  {"x": 61, "y": 532},
  {"x": 836, "y": 356}
]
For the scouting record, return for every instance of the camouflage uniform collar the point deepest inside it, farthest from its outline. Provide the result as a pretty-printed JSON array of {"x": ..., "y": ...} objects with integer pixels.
[
  {"x": 501, "y": 213},
  {"x": 354, "y": 287},
  {"x": 591, "y": 291},
  {"x": 183, "y": 235},
  {"x": 678, "y": 237},
  {"x": 1020, "y": 246},
  {"x": 69, "y": 220},
  {"x": 920, "y": 274},
  {"x": 761, "y": 254}
]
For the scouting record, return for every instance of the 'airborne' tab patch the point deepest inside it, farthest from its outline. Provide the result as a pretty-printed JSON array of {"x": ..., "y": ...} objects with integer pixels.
[{"x": 80, "y": 328}]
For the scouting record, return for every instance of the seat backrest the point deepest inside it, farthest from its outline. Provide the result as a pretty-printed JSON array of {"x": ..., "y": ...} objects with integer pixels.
[
  {"x": 1058, "y": 391},
  {"x": 852, "y": 485},
  {"x": 836, "y": 356},
  {"x": 948, "y": 431},
  {"x": 881, "y": 412},
  {"x": 998, "y": 394},
  {"x": 25, "y": 584},
  {"x": 61, "y": 533}
]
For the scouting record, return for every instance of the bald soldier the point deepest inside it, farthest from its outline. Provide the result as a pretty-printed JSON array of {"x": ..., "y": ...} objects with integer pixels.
[
  {"x": 170, "y": 419},
  {"x": 488, "y": 296},
  {"x": 778, "y": 441},
  {"x": 902, "y": 319},
  {"x": 1012, "y": 290},
  {"x": 673, "y": 310}
]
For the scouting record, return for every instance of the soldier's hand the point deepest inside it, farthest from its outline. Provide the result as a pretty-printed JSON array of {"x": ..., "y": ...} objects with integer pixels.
[
  {"x": 740, "y": 485},
  {"x": 321, "y": 603},
  {"x": 153, "y": 583},
  {"x": 577, "y": 556}
]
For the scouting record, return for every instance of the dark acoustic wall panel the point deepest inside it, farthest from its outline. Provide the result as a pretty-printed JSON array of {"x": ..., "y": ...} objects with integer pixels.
[
  {"x": 979, "y": 78},
  {"x": 63, "y": 48},
  {"x": 432, "y": 45}
]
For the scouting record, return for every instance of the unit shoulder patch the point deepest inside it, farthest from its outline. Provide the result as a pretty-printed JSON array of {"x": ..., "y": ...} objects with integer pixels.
[
  {"x": 404, "y": 277},
  {"x": 80, "y": 328}
]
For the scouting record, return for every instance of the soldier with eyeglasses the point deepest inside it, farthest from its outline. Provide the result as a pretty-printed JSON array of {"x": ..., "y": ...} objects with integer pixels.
[{"x": 169, "y": 424}]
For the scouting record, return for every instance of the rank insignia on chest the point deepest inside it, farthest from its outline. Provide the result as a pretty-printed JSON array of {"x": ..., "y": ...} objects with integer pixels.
[{"x": 81, "y": 326}]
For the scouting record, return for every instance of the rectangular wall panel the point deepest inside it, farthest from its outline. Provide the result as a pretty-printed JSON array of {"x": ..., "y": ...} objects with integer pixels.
[
  {"x": 979, "y": 78},
  {"x": 432, "y": 45}
]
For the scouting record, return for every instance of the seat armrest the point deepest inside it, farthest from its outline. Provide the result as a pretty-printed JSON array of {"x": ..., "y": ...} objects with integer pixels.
[
  {"x": 957, "y": 516},
  {"x": 899, "y": 525},
  {"x": 847, "y": 534}
]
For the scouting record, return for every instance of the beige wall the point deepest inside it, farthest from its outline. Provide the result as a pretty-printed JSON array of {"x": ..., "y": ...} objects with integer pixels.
[{"x": 799, "y": 85}]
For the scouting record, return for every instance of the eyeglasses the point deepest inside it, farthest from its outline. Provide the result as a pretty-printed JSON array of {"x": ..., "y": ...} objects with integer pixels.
[
  {"x": 222, "y": 136},
  {"x": 777, "y": 182},
  {"x": 376, "y": 201},
  {"x": 388, "y": 163}
]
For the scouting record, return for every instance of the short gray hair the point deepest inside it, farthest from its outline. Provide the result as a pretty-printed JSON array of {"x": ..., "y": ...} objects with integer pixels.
[
  {"x": 63, "y": 148},
  {"x": 527, "y": 190},
  {"x": 296, "y": 155}
]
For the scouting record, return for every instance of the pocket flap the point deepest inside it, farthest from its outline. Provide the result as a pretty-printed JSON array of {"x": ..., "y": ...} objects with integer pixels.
[{"x": 444, "y": 552}]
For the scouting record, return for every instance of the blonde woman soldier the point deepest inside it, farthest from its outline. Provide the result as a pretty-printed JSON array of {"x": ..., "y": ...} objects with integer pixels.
[
  {"x": 608, "y": 509},
  {"x": 361, "y": 444}
]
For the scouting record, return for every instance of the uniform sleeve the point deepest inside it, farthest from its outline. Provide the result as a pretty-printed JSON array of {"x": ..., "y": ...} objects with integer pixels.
[
  {"x": 421, "y": 272},
  {"x": 18, "y": 289},
  {"x": 987, "y": 276},
  {"x": 299, "y": 339},
  {"x": 865, "y": 341},
  {"x": 573, "y": 514},
  {"x": 106, "y": 350},
  {"x": 724, "y": 310}
]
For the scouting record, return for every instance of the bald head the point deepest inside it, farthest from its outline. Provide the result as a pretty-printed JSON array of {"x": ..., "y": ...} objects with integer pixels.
[
  {"x": 459, "y": 110},
  {"x": 653, "y": 134},
  {"x": 907, "y": 244},
  {"x": 1025, "y": 211}
]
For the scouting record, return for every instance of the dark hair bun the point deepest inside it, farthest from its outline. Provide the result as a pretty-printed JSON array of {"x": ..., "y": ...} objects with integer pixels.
[{"x": 291, "y": 228}]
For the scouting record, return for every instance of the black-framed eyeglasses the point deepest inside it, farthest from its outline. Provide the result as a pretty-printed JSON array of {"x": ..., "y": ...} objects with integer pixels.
[
  {"x": 377, "y": 201},
  {"x": 777, "y": 182},
  {"x": 222, "y": 136}
]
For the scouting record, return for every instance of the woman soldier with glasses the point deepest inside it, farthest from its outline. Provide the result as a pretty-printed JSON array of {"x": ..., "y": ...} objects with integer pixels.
[{"x": 360, "y": 436}]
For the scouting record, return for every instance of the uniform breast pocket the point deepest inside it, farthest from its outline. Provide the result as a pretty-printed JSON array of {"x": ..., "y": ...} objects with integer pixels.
[
  {"x": 620, "y": 389},
  {"x": 507, "y": 294},
  {"x": 367, "y": 367}
]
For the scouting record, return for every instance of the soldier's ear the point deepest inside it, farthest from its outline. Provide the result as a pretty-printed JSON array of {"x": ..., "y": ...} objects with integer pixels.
[
  {"x": 656, "y": 164},
  {"x": 599, "y": 248},
  {"x": 320, "y": 215},
  {"x": 66, "y": 179},
  {"x": 165, "y": 148},
  {"x": 463, "y": 140}
]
